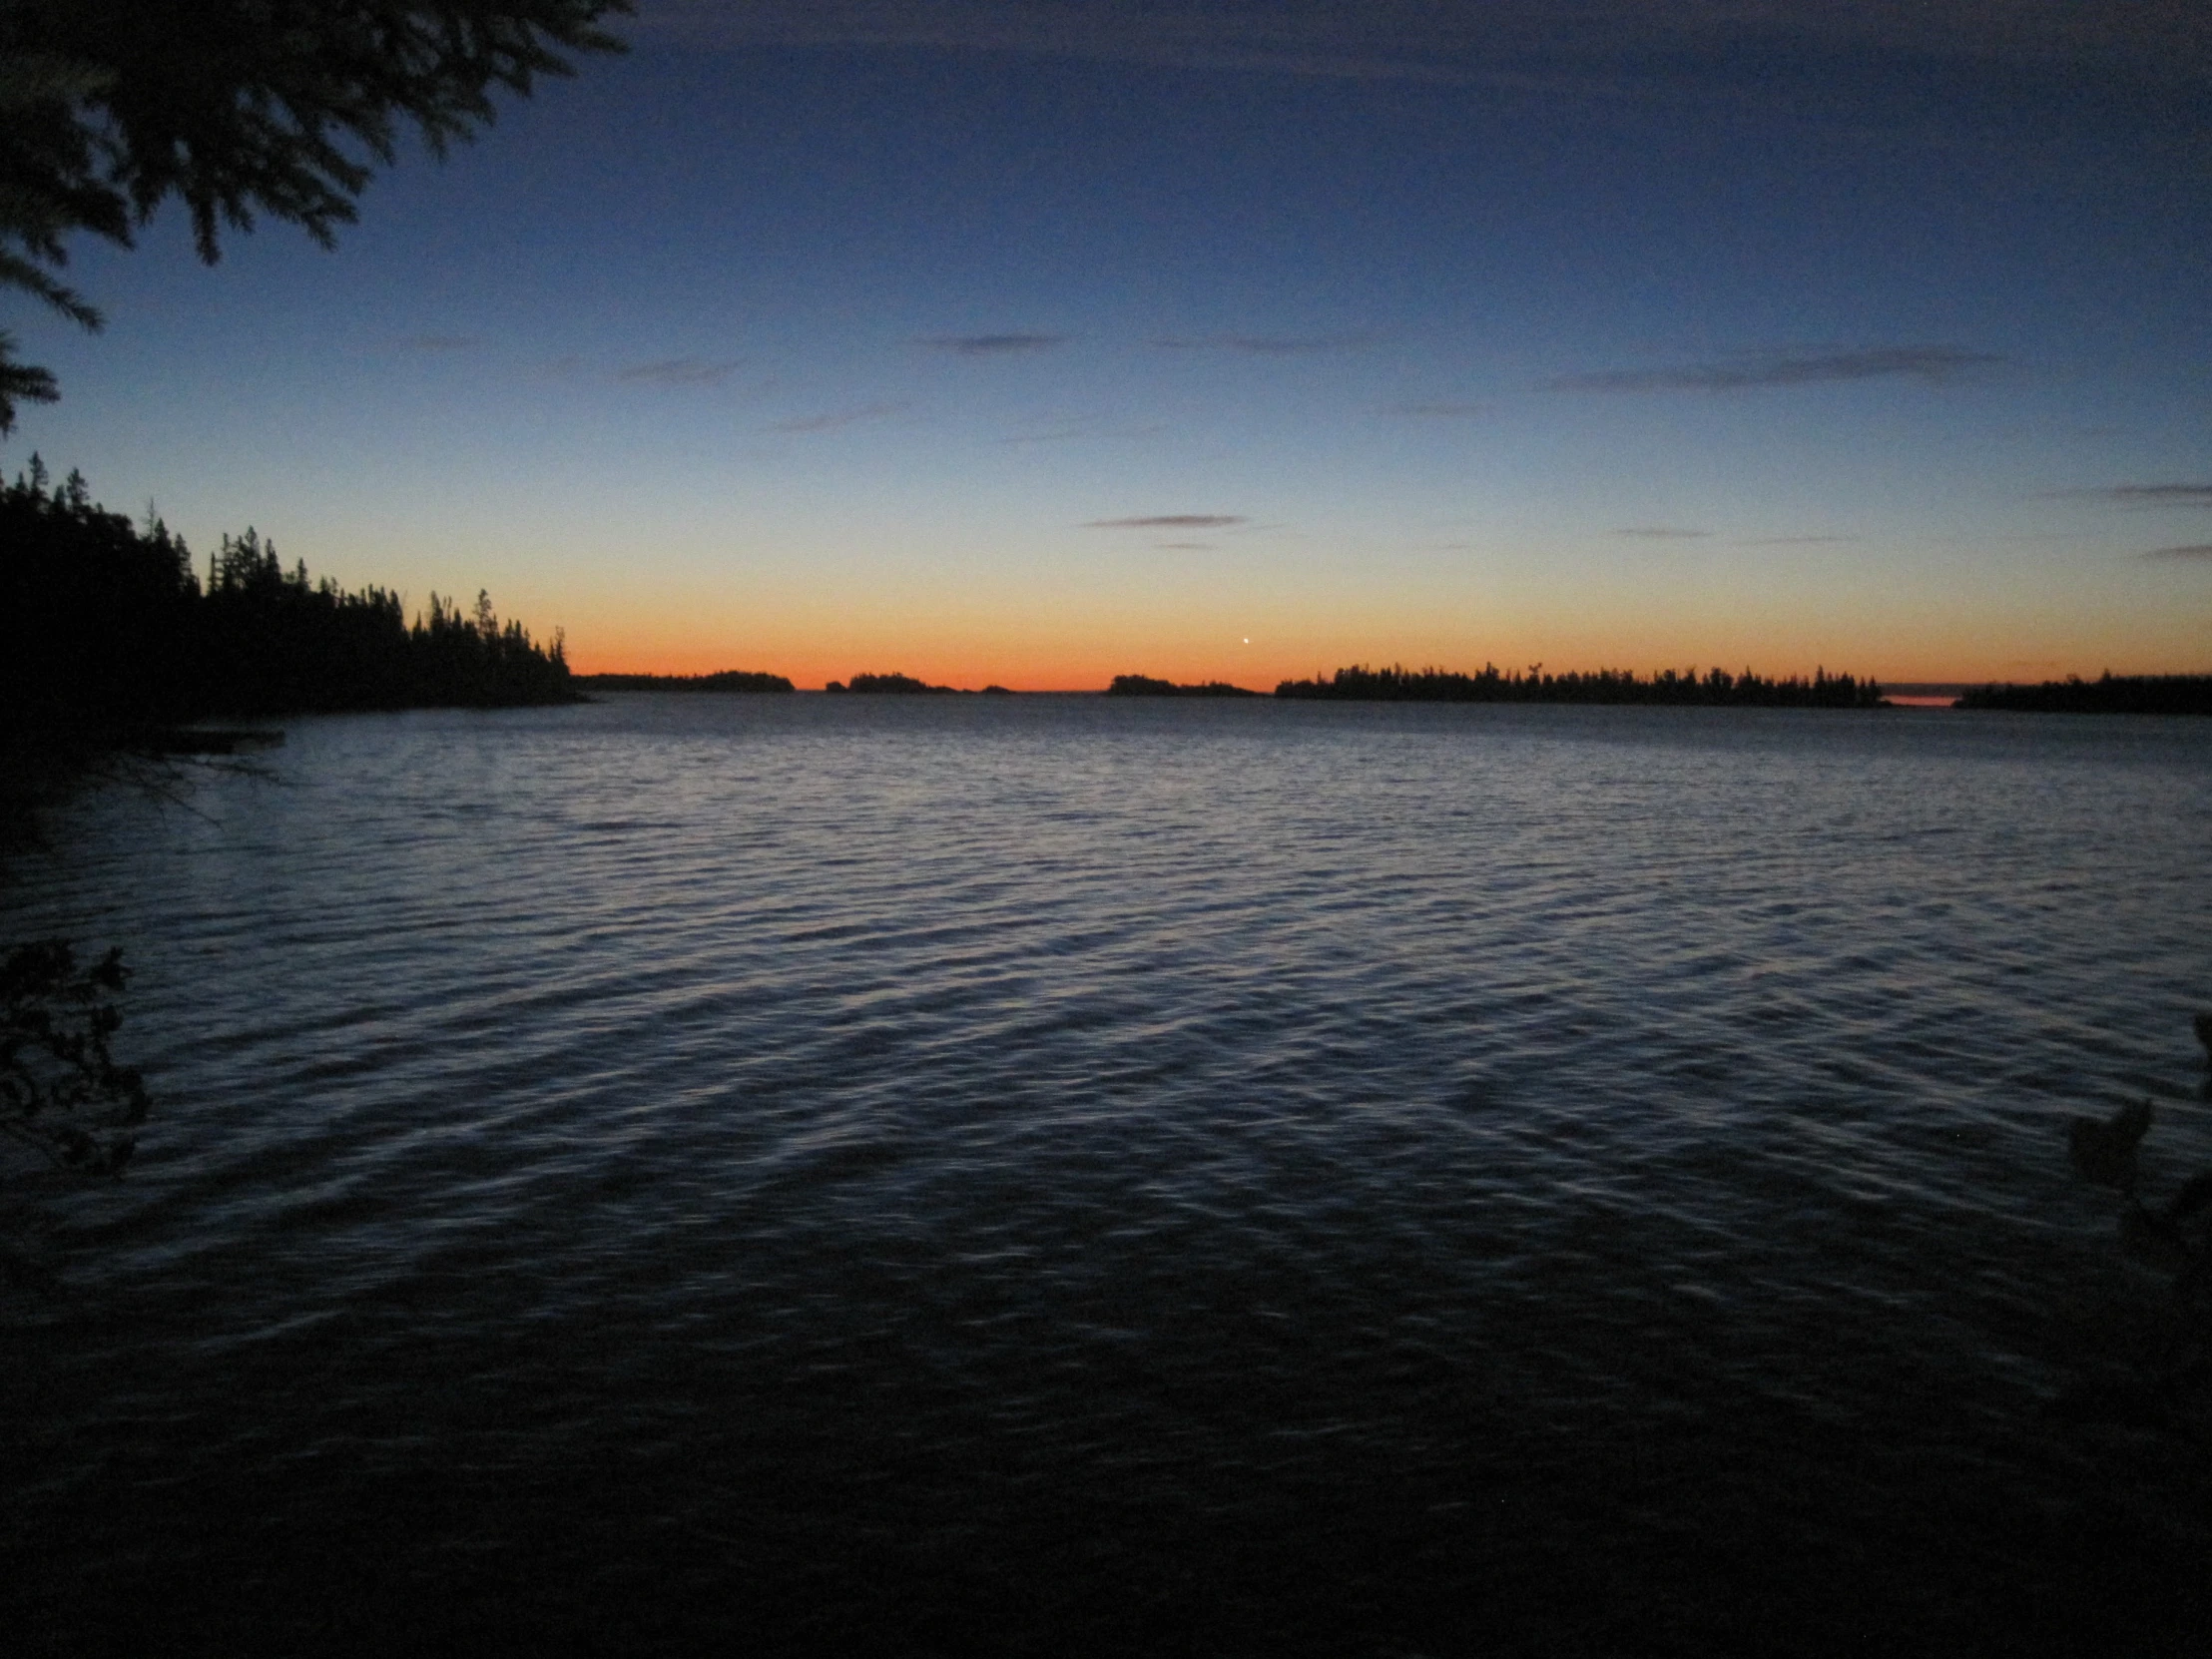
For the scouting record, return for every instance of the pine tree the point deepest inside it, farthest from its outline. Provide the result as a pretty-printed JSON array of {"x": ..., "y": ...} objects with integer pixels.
[{"x": 239, "y": 107}]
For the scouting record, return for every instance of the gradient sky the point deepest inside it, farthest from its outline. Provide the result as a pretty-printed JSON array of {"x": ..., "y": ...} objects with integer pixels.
[{"x": 1039, "y": 340}]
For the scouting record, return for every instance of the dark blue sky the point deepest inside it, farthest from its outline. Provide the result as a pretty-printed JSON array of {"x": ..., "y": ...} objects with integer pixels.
[{"x": 1035, "y": 342}]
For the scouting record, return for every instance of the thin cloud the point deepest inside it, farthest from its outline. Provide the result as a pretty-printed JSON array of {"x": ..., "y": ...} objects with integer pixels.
[
  {"x": 1502, "y": 42},
  {"x": 2146, "y": 495},
  {"x": 1662, "y": 532},
  {"x": 2180, "y": 555},
  {"x": 1929, "y": 364},
  {"x": 1168, "y": 521},
  {"x": 438, "y": 342},
  {"x": 1185, "y": 546},
  {"x": 1081, "y": 426},
  {"x": 677, "y": 371},
  {"x": 1443, "y": 411},
  {"x": 1266, "y": 345},
  {"x": 1797, "y": 541},
  {"x": 838, "y": 419},
  {"x": 994, "y": 346}
]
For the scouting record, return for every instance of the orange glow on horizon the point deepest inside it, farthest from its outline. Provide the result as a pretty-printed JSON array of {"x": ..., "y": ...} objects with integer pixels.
[
  {"x": 1072, "y": 646},
  {"x": 1076, "y": 627},
  {"x": 1093, "y": 671}
]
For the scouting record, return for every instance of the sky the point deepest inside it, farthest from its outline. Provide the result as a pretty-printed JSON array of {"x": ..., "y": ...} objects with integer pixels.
[{"x": 1035, "y": 342}]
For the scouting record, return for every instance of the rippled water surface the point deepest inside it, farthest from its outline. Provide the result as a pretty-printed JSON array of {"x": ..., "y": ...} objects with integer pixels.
[{"x": 1048, "y": 1173}]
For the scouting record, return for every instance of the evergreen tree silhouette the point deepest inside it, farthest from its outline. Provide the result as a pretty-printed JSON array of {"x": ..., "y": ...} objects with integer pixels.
[{"x": 108, "y": 108}]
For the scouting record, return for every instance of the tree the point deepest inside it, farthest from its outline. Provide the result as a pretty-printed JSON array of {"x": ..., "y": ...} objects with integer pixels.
[{"x": 238, "y": 107}]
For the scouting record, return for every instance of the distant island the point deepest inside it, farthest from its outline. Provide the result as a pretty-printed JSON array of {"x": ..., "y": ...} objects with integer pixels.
[
  {"x": 1138, "y": 685},
  {"x": 1716, "y": 688},
  {"x": 905, "y": 685},
  {"x": 730, "y": 680},
  {"x": 2141, "y": 694}
]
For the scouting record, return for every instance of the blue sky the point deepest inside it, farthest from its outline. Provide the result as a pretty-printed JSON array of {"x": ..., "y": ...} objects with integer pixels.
[{"x": 1034, "y": 343}]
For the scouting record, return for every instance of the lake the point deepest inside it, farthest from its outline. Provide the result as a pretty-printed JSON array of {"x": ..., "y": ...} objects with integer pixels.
[{"x": 1057, "y": 1173}]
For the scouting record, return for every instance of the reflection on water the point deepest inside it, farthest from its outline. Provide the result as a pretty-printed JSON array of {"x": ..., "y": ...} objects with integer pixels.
[{"x": 1047, "y": 1173}]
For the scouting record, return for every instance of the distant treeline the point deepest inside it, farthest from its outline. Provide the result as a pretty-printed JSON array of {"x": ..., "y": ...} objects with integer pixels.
[
  {"x": 2140, "y": 694},
  {"x": 110, "y": 631},
  {"x": 1716, "y": 688},
  {"x": 729, "y": 680},
  {"x": 1138, "y": 685},
  {"x": 903, "y": 684}
]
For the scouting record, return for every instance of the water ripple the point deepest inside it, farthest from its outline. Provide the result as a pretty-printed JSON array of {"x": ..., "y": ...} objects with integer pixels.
[{"x": 1161, "y": 1167}]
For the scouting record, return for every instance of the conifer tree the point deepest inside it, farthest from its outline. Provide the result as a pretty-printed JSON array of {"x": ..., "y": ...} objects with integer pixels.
[{"x": 238, "y": 107}]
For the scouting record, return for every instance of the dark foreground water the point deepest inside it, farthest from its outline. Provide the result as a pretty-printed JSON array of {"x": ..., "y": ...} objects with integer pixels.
[{"x": 1055, "y": 1174}]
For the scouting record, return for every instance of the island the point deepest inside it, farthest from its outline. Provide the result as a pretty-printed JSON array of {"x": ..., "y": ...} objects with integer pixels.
[
  {"x": 1139, "y": 685},
  {"x": 735, "y": 681},
  {"x": 899, "y": 685}
]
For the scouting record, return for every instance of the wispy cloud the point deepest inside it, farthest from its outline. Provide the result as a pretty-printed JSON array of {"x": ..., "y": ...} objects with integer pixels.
[
  {"x": 1510, "y": 42},
  {"x": 994, "y": 346},
  {"x": 2180, "y": 555},
  {"x": 2146, "y": 495},
  {"x": 438, "y": 342},
  {"x": 677, "y": 371},
  {"x": 1929, "y": 364},
  {"x": 1662, "y": 532},
  {"x": 1078, "y": 426},
  {"x": 1443, "y": 411},
  {"x": 1796, "y": 541},
  {"x": 839, "y": 419},
  {"x": 1267, "y": 346},
  {"x": 1168, "y": 521},
  {"x": 1185, "y": 546}
]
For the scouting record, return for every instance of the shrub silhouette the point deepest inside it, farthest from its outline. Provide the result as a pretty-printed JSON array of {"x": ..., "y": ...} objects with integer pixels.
[
  {"x": 2174, "y": 1239},
  {"x": 61, "y": 1092}
]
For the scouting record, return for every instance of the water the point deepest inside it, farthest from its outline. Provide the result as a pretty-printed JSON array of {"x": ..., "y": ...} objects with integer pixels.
[{"x": 1043, "y": 1174}]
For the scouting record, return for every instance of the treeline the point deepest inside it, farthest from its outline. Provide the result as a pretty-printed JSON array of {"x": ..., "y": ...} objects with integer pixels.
[
  {"x": 730, "y": 680},
  {"x": 2140, "y": 694},
  {"x": 903, "y": 684},
  {"x": 1717, "y": 688},
  {"x": 1138, "y": 685},
  {"x": 111, "y": 631}
]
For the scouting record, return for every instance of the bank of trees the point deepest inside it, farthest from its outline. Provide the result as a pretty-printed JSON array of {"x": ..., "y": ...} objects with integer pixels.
[
  {"x": 1716, "y": 688},
  {"x": 1142, "y": 685},
  {"x": 112, "y": 632},
  {"x": 2140, "y": 694},
  {"x": 730, "y": 681},
  {"x": 888, "y": 684}
]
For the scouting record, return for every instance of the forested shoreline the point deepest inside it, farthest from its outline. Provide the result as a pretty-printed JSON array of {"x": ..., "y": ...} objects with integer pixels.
[
  {"x": 1717, "y": 688},
  {"x": 1142, "y": 685},
  {"x": 903, "y": 684},
  {"x": 727, "y": 681},
  {"x": 2140, "y": 694},
  {"x": 114, "y": 634}
]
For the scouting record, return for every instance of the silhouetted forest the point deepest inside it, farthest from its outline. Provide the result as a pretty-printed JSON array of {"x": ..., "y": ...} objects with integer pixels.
[
  {"x": 1717, "y": 688},
  {"x": 1138, "y": 685},
  {"x": 904, "y": 684},
  {"x": 733, "y": 680},
  {"x": 112, "y": 634},
  {"x": 2141, "y": 694}
]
